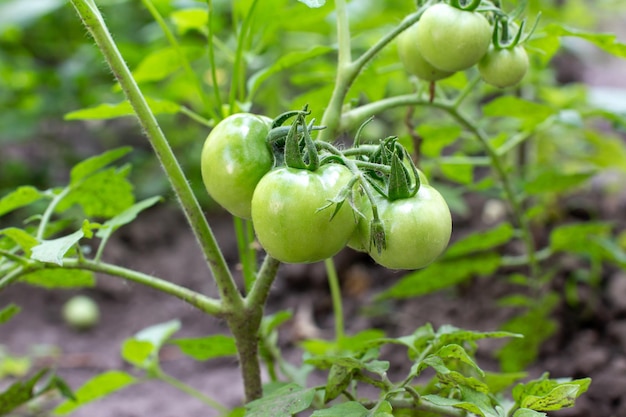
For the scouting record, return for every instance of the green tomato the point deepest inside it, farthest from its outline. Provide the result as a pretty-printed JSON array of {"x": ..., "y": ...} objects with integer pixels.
[
  {"x": 287, "y": 218},
  {"x": 417, "y": 229},
  {"x": 234, "y": 158},
  {"x": 81, "y": 312},
  {"x": 412, "y": 59},
  {"x": 504, "y": 67},
  {"x": 452, "y": 39}
]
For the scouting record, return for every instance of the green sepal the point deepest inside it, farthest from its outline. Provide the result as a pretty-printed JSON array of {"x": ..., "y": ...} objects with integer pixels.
[
  {"x": 377, "y": 235},
  {"x": 399, "y": 185},
  {"x": 300, "y": 149}
]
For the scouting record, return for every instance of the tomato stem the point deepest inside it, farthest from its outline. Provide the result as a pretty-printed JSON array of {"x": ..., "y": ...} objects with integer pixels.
[{"x": 335, "y": 292}]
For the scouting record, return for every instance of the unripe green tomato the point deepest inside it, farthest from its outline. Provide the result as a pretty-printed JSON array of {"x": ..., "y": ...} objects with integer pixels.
[
  {"x": 81, "y": 312},
  {"x": 234, "y": 158},
  {"x": 504, "y": 67},
  {"x": 412, "y": 59},
  {"x": 452, "y": 39},
  {"x": 287, "y": 218},
  {"x": 417, "y": 229}
]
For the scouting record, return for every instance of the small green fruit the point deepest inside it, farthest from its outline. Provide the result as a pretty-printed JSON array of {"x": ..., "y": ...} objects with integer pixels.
[{"x": 81, "y": 312}]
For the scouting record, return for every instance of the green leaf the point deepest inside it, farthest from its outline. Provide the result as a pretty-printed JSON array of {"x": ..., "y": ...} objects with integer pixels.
[
  {"x": 142, "y": 349},
  {"x": 273, "y": 321},
  {"x": 555, "y": 181},
  {"x": 460, "y": 173},
  {"x": 456, "y": 353},
  {"x": 103, "y": 194},
  {"x": 23, "y": 239},
  {"x": 97, "y": 387},
  {"x": 482, "y": 241},
  {"x": 347, "y": 409},
  {"x": 193, "y": 19},
  {"x": 21, "y": 392},
  {"x": 448, "y": 334},
  {"x": 529, "y": 113},
  {"x": 605, "y": 41},
  {"x": 123, "y": 109},
  {"x": 607, "y": 151},
  {"x": 283, "y": 402},
  {"x": 339, "y": 377},
  {"x": 53, "y": 251},
  {"x": 475, "y": 402},
  {"x": 498, "y": 382},
  {"x": 442, "y": 274},
  {"x": 21, "y": 197},
  {"x": 437, "y": 137},
  {"x": 91, "y": 165},
  {"x": 313, "y": 4},
  {"x": 125, "y": 217},
  {"x": 59, "y": 278},
  {"x": 205, "y": 348},
  {"x": 525, "y": 412},
  {"x": 137, "y": 352},
  {"x": 579, "y": 237},
  {"x": 286, "y": 61},
  {"x": 8, "y": 312},
  {"x": 546, "y": 394},
  {"x": 162, "y": 63}
]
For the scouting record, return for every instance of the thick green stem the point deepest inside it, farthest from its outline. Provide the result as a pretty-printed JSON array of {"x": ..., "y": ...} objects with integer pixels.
[
  {"x": 45, "y": 219},
  {"x": 92, "y": 19},
  {"x": 200, "y": 301}
]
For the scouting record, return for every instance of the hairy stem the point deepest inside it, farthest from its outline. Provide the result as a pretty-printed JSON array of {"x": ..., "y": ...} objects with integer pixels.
[{"x": 92, "y": 19}]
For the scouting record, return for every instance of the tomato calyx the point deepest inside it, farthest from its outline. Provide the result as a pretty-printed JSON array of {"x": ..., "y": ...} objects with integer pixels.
[{"x": 468, "y": 6}]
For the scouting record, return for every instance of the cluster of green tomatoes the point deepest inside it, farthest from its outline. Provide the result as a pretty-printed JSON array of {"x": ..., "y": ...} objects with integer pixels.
[
  {"x": 308, "y": 199},
  {"x": 451, "y": 37}
]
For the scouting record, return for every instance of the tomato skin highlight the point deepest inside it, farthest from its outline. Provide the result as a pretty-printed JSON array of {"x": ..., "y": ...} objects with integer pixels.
[
  {"x": 412, "y": 59},
  {"x": 234, "y": 158},
  {"x": 452, "y": 39},
  {"x": 285, "y": 213},
  {"x": 504, "y": 67},
  {"x": 417, "y": 230}
]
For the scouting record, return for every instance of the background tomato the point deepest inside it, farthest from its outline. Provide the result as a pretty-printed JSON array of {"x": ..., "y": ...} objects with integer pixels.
[
  {"x": 452, "y": 39},
  {"x": 504, "y": 67},
  {"x": 235, "y": 156},
  {"x": 287, "y": 219},
  {"x": 417, "y": 230},
  {"x": 412, "y": 59}
]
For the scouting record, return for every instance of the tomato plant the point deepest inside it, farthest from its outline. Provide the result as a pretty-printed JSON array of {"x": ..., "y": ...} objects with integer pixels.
[
  {"x": 234, "y": 158},
  {"x": 288, "y": 217},
  {"x": 452, "y": 39}
]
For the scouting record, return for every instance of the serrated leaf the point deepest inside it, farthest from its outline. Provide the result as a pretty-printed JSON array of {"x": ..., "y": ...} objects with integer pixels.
[
  {"x": 546, "y": 394},
  {"x": 23, "y": 239},
  {"x": 286, "y": 61},
  {"x": 205, "y": 348},
  {"x": 60, "y": 278},
  {"x": 284, "y": 402},
  {"x": 442, "y": 274},
  {"x": 103, "y": 194},
  {"x": 472, "y": 401},
  {"x": 8, "y": 312},
  {"x": 314, "y": 4},
  {"x": 123, "y": 109},
  {"x": 529, "y": 113},
  {"x": 525, "y": 412},
  {"x": 53, "y": 251},
  {"x": 97, "y": 387},
  {"x": 456, "y": 352},
  {"x": 347, "y": 409},
  {"x": 125, "y": 217},
  {"x": 21, "y": 197},
  {"x": 95, "y": 163},
  {"x": 482, "y": 241}
]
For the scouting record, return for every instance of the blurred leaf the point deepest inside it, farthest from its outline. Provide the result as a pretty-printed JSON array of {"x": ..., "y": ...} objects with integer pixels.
[
  {"x": 209, "y": 347},
  {"x": 162, "y": 63},
  {"x": 53, "y": 251},
  {"x": 8, "y": 312},
  {"x": 91, "y": 165},
  {"x": 437, "y": 137},
  {"x": 137, "y": 352},
  {"x": 481, "y": 241},
  {"x": 158, "y": 334},
  {"x": 20, "y": 12},
  {"x": 285, "y": 62},
  {"x": 339, "y": 377},
  {"x": 525, "y": 412},
  {"x": 607, "y": 151},
  {"x": 272, "y": 321},
  {"x": 555, "y": 181},
  {"x": 21, "y": 197},
  {"x": 21, "y": 392},
  {"x": 23, "y": 239},
  {"x": 346, "y": 409},
  {"x": 125, "y": 217},
  {"x": 498, "y": 382},
  {"x": 103, "y": 194},
  {"x": 606, "y": 41},
  {"x": 473, "y": 401},
  {"x": 96, "y": 388},
  {"x": 193, "y": 19},
  {"x": 313, "y": 3},
  {"x": 284, "y": 402},
  {"x": 142, "y": 349},
  {"x": 546, "y": 394},
  {"x": 528, "y": 112},
  {"x": 442, "y": 274},
  {"x": 578, "y": 237},
  {"x": 459, "y": 173},
  {"x": 123, "y": 109},
  {"x": 59, "y": 278}
]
